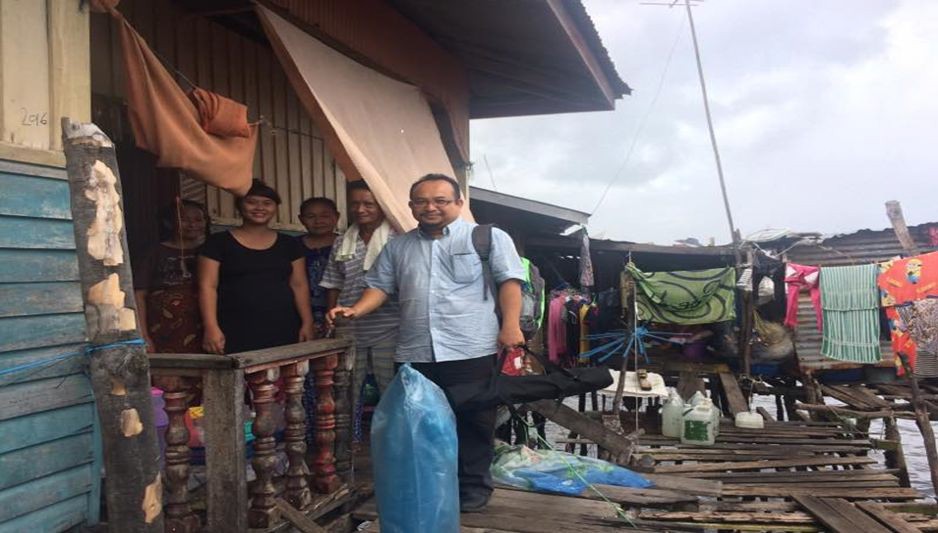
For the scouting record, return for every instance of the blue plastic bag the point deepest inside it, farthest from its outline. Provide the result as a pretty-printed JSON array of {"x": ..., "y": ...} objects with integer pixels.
[
  {"x": 558, "y": 472},
  {"x": 414, "y": 455}
]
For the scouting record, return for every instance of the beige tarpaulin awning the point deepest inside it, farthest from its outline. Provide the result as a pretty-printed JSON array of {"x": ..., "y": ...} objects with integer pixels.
[{"x": 378, "y": 129}]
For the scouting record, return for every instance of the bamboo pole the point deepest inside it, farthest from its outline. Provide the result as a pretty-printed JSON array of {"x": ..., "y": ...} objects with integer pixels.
[{"x": 119, "y": 369}]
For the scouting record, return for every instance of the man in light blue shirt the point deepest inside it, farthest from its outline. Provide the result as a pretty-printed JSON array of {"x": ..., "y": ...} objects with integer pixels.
[{"x": 449, "y": 328}]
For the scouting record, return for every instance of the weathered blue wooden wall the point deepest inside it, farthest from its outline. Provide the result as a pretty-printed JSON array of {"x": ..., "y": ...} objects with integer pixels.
[{"x": 50, "y": 451}]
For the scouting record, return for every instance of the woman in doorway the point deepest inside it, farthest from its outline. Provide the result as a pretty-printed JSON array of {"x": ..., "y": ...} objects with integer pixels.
[
  {"x": 319, "y": 216},
  {"x": 165, "y": 283},
  {"x": 253, "y": 290}
]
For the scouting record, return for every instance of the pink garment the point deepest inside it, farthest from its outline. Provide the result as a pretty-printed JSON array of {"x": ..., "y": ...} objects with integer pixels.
[
  {"x": 556, "y": 329},
  {"x": 800, "y": 278}
]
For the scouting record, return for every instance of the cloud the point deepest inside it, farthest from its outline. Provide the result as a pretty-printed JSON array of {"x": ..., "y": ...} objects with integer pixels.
[{"x": 823, "y": 111}]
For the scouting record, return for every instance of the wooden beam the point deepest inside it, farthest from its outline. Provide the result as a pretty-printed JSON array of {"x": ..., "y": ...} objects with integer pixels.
[
  {"x": 888, "y": 518},
  {"x": 586, "y": 54},
  {"x": 734, "y": 395},
  {"x": 619, "y": 445},
  {"x": 119, "y": 369},
  {"x": 296, "y": 517},
  {"x": 894, "y": 212},
  {"x": 839, "y": 515}
]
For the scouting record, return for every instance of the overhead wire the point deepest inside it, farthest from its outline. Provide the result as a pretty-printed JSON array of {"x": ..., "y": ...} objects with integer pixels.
[{"x": 644, "y": 120}]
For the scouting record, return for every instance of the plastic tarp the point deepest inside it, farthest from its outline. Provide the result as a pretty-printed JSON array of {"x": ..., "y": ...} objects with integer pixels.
[
  {"x": 378, "y": 129},
  {"x": 558, "y": 472}
]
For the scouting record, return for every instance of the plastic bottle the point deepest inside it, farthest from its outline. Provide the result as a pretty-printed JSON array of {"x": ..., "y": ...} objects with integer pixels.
[
  {"x": 672, "y": 416},
  {"x": 714, "y": 415},
  {"x": 749, "y": 420},
  {"x": 696, "y": 399},
  {"x": 698, "y": 426}
]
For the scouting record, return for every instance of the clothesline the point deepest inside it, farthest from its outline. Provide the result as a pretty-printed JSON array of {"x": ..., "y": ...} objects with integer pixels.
[{"x": 49, "y": 361}]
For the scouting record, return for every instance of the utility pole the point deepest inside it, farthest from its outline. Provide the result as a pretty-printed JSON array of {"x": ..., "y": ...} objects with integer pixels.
[{"x": 734, "y": 236}]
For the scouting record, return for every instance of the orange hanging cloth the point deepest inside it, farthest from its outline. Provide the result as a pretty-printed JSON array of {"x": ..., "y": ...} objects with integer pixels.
[{"x": 211, "y": 141}]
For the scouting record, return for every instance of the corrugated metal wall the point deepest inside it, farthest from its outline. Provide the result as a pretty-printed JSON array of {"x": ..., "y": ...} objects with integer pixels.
[
  {"x": 49, "y": 450},
  {"x": 291, "y": 154},
  {"x": 863, "y": 247}
]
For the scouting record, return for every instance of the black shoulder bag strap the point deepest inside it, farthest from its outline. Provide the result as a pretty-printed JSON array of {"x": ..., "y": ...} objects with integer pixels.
[{"x": 482, "y": 242}]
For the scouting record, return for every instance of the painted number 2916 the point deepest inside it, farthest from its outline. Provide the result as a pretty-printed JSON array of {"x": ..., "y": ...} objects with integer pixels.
[{"x": 34, "y": 119}]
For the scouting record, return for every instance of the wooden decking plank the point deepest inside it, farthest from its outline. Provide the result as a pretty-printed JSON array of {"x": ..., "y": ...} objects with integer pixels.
[
  {"x": 888, "y": 518},
  {"x": 839, "y": 516},
  {"x": 745, "y": 517},
  {"x": 516, "y": 519},
  {"x": 703, "y": 487},
  {"x": 808, "y": 476},
  {"x": 826, "y": 484},
  {"x": 729, "y": 441},
  {"x": 784, "y": 491},
  {"x": 734, "y": 395},
  {"x": 719, "y": 447},
  {"x": 758, "y": 465}
]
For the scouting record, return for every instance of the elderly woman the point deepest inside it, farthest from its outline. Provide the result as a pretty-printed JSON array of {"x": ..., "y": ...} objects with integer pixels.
[
  {"x": 253, "y": 290},
  {"x": 165, "y": 283}
]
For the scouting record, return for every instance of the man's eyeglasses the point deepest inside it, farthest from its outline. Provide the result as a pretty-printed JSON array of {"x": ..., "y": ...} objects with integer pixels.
[{"x": 437, "y": 202}]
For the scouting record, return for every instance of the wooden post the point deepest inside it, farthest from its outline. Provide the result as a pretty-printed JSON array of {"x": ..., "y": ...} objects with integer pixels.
[
  {"x": 894, "y": 212},
  {"x": 225, "y": 463},
  {"x": 923, "y": 422},
  {"x": 120, "y": 372},
  {"x": 748, "y": 321},
  {"x": 895, "y": 458}
]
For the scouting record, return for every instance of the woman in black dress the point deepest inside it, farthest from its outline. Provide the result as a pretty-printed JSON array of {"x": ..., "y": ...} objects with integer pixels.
[{"x": 253, "y": 290}]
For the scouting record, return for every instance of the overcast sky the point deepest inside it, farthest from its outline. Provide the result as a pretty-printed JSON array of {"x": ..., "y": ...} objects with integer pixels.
[{"x": 824, "y": 110}]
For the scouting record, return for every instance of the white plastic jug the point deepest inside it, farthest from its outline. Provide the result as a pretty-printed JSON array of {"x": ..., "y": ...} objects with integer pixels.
[
  {"x": 672, "y": 416},
  {"x": 714, "y": 414},
  {"x": 696, "y": 399},
  {"x": 698, "y": 426},
  {"x": 749, "y": 420}
]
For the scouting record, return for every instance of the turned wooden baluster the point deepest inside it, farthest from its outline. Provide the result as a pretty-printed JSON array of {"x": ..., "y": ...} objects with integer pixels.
[
  {"x": 263, "y": 512},
  {"x": 179, "y": 516},
  {"x": 297, "y": 493},
  {"x": 343, "y": 417},
  {"x": 325, "y": 479}
]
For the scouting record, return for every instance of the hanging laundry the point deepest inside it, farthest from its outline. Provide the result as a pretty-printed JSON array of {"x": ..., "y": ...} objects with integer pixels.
[
  {"x": 219, "y": 115},
  {"x": 903, "y": 282},
  {"x": 556, "y": 329},
  {"x": 850, "y": 307},
  {"x": 685, "y": 297},
  {"x": 802, "y": 278},
  {"x": 920, "y": 321},
  {"x": 166, "y": 122}
]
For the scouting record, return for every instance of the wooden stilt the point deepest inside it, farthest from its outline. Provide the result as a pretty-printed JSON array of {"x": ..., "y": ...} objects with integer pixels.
[{"x": 119, "y": 369}]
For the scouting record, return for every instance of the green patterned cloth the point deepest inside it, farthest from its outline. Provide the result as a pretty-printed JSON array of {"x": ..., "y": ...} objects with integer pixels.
[
  {"x": 685, "y": 296},
  {"x": 850, "y": 307}
]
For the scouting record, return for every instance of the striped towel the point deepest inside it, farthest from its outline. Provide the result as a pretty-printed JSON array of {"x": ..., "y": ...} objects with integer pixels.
[{"x": 850, "y": 307}]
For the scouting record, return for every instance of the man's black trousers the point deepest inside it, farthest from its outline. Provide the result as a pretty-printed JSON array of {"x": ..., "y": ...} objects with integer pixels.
[{"x": 475, "y": 429}]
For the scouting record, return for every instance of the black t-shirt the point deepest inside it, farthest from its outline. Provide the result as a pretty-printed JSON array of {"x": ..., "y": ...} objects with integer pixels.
[{"x": 256, "y": 306}]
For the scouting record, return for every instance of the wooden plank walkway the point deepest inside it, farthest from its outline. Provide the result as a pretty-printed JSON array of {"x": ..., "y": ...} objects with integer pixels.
[{"x": 780, "y": 478}]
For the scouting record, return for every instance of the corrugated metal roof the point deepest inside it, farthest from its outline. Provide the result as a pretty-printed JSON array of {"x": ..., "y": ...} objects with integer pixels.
[{"x": 862, "y": 247}]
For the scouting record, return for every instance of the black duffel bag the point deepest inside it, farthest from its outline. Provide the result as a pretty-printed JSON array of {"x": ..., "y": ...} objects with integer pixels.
[{"x": 555, "y": 383}]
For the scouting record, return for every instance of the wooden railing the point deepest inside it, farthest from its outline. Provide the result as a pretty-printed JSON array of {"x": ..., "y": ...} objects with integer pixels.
[{"x": 223, "y": 378}]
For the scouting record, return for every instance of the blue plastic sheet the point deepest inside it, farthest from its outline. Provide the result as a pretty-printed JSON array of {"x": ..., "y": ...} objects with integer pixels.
[
  {"x": 558, "y": 472},
  {"x": 414, "y": 453}
]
